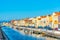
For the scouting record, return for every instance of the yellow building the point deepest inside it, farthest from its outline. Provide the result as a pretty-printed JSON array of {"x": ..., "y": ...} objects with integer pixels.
[
  {"x": 58, "y": 18},
  {"x": 26, "y": 22},
  {"x": 38, "y": 21},
  {"x": 31, "y": 21},
  {"x": 47, "y": 20},
  {"x": 52, "y": 21},
  {"x": 55, "y": 21},
  {"x": 21, "y": 23},
  {"x": 43, "y": 21}
]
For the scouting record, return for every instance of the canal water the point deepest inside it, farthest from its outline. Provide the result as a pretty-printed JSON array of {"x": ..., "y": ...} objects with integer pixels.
[{"x": 16, "y": 35}]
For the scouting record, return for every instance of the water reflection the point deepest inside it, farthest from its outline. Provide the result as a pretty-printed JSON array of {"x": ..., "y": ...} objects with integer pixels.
[{"x": 15, "y": 35}]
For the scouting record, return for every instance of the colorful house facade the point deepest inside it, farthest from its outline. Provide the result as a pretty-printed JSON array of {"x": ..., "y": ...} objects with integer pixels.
[{"x": 51, "y": 21}]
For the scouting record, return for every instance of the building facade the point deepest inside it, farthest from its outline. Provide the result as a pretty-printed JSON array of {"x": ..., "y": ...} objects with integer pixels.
[{"x": 49, "y": 21}]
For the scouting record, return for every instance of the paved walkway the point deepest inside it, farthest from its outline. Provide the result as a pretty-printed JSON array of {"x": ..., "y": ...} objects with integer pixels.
[{"x": 1, "y": 35}]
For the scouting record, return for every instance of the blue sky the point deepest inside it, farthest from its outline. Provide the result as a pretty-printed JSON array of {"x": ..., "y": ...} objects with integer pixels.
[{"x": 18, "y": 9}]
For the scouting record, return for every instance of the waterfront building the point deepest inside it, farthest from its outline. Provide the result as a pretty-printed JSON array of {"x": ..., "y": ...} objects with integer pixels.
[
  {"x": 22, "y": 23},
  {"x": 50, "y": 21},
  {"x": 57, "y": 20},
  {"x": 26, "y": 22},
  {"x": 39, "y": 23},
  {"x": 31, "y": 22},
  {"x": 43, "y": 21}
]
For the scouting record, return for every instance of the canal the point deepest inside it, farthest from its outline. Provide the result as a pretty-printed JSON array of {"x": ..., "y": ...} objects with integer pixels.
[{"x": 16, "y": 35}]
